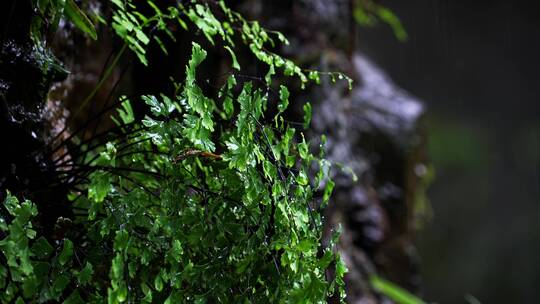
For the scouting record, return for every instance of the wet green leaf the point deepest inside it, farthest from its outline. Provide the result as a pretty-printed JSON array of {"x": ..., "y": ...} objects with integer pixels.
[
  {"x": 85, "y": 275},
  {"x": 284, "y": 98},
  {"x": 76, "y": 15},
  {"x": 41, "y": 248},
  {"x": 233, "y": 57},
  {"x": 66, "y": 253}
]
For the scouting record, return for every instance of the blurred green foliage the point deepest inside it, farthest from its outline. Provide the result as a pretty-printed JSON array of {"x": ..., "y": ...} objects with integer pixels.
[
  {"x": 456, "y": 146},
  {"x": 49, "y": 14},
  {"x": 370, "y": 13},
  {"x": 394, "y": 292}
]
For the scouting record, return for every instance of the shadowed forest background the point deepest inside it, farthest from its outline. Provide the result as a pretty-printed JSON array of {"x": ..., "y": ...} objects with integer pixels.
[{"x": 475, "y": 65}]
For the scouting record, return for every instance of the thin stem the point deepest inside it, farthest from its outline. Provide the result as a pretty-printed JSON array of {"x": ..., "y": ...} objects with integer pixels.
[{"x": 106, "y": 75}]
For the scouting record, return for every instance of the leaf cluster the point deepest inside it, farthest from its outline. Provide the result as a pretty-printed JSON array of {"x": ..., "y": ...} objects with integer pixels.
[
  {"x": 204, "y": 200},
  {"x": 49, "y": 14}
]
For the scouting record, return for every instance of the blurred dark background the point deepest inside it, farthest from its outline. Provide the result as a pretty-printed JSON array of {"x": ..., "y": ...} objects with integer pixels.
[{"x": 475, "y": 64}]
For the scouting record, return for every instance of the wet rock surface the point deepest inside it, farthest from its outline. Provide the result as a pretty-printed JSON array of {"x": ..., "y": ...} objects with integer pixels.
[{"x": 375, "y": 134}]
